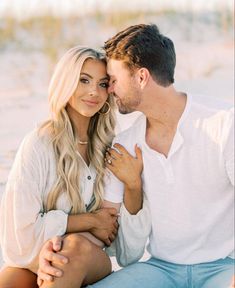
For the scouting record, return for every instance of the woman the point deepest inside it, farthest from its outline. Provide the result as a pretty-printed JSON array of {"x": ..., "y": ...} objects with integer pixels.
[{"x": 55, "y": 186}]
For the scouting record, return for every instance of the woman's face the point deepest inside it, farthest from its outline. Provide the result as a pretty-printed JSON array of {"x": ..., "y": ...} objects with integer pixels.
[{"x": 91, "y": 92}]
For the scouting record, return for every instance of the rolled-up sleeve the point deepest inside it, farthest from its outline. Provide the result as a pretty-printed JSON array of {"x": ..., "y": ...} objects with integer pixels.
[{"x": 133, "y": 233}]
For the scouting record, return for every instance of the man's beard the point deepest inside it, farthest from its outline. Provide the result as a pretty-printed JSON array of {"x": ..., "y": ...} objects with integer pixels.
[
  {"x": 130, "y": 104},
  {"x": 123, "y": 109}
]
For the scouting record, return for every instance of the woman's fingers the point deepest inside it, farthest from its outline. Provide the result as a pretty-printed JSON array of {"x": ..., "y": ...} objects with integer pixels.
[
  {"x": 113, "y": 153},
  {"x": 43, "y": 276},
  {"x": 122, "y": 150},
  {"x": 39, "y": 280},
  {"x": 57, "y": 242},
  {"x": 48, "y": 269},
  {"x": 55, "y": 257}
]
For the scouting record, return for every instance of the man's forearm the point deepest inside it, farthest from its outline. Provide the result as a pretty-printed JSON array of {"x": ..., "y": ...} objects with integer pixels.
[
  {"x": 80, "y": 223},
  {"x": 133, "y": 197}
]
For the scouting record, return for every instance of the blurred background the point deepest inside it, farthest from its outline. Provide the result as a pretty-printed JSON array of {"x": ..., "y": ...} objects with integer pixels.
[{"x": 35, "y": 33}]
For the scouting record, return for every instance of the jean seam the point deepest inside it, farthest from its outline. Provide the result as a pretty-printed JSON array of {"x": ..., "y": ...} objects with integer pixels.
[{"x": 189, "y": 276}]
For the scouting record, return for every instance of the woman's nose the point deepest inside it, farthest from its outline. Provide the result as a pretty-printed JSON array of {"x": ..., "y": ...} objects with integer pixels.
[{"x": 93, "y": 92}]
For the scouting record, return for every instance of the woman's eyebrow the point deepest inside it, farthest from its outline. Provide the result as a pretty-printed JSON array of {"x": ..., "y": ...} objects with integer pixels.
[
  {"x": 88, "y": 75},
  {"x": 85, "y": 74}
]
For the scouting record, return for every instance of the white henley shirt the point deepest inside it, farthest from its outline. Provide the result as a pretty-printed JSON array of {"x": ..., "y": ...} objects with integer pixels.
[{"x": 189, "y": 194}]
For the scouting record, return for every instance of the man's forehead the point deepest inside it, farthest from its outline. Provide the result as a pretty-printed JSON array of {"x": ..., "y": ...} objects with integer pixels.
[{"x": 113, "y": 65}]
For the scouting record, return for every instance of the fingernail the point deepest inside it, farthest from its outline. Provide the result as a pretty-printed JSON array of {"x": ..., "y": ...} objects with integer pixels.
[
  {"x": 58, "y": 273},
  {"x": 49, "y": 278},
  {"x": 65, "y": 260}
]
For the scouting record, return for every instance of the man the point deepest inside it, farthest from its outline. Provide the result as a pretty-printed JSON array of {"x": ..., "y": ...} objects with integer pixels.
[{"x": 188, "y": 174}]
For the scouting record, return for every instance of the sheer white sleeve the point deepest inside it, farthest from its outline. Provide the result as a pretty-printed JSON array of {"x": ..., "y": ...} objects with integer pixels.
[{"x": 23, "y": 225}]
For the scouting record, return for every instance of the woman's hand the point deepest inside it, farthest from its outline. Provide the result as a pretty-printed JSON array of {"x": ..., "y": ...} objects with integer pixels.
[
  {"x": 124, "y": 166},
  {"x": 49, "y": 253}
]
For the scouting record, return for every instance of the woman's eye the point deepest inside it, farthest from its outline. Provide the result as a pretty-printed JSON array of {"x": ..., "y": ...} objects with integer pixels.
[
  {"x": 84, "y": 80},
  {"x": 104, "y": 85}
]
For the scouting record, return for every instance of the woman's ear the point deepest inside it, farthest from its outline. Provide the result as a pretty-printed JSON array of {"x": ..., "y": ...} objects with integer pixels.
[{"x": 143, "y": 77}]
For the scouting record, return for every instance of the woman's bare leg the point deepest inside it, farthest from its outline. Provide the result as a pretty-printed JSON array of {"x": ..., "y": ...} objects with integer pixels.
[
  {"x": 88, "y": 263},
  {"x": 11, "y": 277}
]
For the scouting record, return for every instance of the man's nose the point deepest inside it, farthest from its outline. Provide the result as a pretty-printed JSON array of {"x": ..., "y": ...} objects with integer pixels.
[{"x": 110, "y": 89}]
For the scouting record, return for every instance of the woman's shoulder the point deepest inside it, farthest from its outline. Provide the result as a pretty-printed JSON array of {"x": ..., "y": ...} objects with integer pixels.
[
  {"x": 36, "y": 139},
  {"x": 36, "y": 143}
]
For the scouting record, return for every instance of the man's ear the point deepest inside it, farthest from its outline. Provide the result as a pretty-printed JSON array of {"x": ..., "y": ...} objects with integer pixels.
[{"x": 143, "y": 77}]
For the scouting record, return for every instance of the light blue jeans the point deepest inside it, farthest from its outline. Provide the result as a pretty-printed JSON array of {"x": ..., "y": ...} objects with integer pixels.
[{"x": 160, "y": 274}]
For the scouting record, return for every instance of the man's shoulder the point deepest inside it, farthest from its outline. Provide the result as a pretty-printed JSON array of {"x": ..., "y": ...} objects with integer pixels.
[
  {"x": 209, "y": 108},
  {"x": 210, "y": 104},
  {"x": 133, "y": 133},
  {"x": 213, "y": 115}
]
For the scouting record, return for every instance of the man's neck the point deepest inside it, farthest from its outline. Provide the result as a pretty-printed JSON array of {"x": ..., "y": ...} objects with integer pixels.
[
  {"x": 162, "y": 119},
  {"x": 164, "y": 108}
]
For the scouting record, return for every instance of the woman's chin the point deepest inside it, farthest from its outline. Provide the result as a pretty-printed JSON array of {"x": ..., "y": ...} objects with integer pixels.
[{"x": 88, "y": 114}]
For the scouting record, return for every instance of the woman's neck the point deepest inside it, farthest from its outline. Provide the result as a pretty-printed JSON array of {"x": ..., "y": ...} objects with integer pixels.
[{"x": 80, "y": 123}]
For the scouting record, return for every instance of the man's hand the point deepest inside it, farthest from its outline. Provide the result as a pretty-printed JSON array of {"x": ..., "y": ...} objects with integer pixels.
[
  {"x": 48, "y": 254},
  {"x": 105, "y": 225}
]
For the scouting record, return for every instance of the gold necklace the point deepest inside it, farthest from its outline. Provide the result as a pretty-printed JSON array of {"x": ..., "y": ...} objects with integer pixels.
[{"x": 82, "y": 142}]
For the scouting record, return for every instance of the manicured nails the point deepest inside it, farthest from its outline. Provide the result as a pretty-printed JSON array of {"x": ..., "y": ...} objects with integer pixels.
[
  {"x": 58, "y": 273},
  {"x": 65, "y": 260}
]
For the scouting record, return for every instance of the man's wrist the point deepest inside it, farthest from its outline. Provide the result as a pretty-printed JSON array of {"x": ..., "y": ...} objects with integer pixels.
[{"x": 91, "y": 220}]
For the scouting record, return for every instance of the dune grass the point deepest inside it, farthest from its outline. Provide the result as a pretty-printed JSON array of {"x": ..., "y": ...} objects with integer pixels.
[{"x": 51, "y": 35}]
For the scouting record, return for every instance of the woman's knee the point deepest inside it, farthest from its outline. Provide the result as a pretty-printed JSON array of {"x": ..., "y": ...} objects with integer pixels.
[
  {"x": 12, "y": 277},
  {"x": 76, "y": 245}
]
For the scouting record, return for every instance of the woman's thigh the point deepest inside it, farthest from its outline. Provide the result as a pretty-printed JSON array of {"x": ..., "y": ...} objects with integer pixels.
[{"x": 11, "y": 277}]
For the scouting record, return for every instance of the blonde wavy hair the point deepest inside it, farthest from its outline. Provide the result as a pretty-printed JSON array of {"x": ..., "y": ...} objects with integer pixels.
[{"x": 64, "y": 138}]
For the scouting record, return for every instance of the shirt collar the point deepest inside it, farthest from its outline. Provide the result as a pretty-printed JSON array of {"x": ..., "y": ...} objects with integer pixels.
[{"x": 178, "y": 138}]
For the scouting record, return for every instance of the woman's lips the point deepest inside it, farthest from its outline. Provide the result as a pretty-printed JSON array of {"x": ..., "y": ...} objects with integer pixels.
[{"x": 90, "y": 103}]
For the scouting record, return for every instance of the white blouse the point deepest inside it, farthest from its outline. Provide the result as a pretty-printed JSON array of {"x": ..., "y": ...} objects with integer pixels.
[{"x": 24, "y": 227}]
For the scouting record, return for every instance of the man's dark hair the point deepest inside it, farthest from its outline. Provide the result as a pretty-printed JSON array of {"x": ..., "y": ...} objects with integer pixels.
[{"x": 143, "y": 46}]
